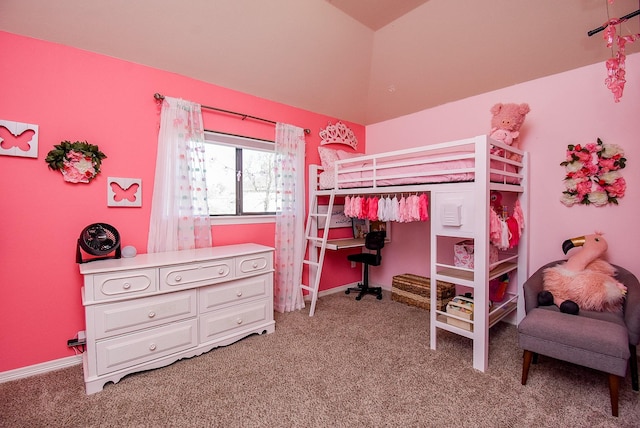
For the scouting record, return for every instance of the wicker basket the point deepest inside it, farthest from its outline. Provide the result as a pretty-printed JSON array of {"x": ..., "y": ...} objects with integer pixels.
[{"x": 415, "y": 290}]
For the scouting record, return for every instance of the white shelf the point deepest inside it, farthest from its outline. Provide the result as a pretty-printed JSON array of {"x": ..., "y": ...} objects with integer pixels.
[
  {"x": 464, "y": 276},
  {"x": 496, "y": 314},
  {"x": 501, "y": 309}
]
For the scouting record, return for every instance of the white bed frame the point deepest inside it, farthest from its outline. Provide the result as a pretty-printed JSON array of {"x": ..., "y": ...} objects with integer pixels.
[{"x": 457, "y": 210}]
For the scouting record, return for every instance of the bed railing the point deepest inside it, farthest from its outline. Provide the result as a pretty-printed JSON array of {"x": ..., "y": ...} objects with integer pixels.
[{"x": 462, "y": 160}]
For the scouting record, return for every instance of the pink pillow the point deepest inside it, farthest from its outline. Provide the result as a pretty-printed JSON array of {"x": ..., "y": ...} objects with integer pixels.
[
  {"x": 328, "y": 156},
  {"x": 347, "y": 155}
]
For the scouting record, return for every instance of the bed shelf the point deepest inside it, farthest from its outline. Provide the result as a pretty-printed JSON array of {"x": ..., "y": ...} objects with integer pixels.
[
  {"x": 496, "y": 314},
  {"x": 465, "y": 277}
]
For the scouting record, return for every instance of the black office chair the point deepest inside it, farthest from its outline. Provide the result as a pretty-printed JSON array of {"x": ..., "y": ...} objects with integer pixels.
[{"x": 373, "y": 241}]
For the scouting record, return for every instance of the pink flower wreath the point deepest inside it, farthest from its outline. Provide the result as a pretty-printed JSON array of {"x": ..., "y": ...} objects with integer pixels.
[
  {"x": 593, "y": 175},
  {"x": 79, "y": 162}
]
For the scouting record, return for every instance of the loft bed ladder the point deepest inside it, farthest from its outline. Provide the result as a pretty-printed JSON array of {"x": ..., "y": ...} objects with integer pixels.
[{"x": 316, "y": 246}]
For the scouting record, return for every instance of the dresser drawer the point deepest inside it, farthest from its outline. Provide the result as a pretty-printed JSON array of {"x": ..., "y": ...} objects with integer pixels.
[
  {"x": 252, "y": 264},
  {"x": 125, "y": 283},
  {"x": 217, "y": 324},
  {"x": 117, "y": 318},
  {"x": 196, "y": 274},
  {"x": 129, "y": 350},
  {"x": 215, "y": 296}
]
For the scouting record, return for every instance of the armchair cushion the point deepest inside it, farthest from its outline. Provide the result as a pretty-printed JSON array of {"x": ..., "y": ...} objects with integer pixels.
[{"x": 577, "y": 339}]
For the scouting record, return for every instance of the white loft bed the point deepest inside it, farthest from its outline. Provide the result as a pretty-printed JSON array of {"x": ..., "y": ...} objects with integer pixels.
[{"x": 458, "y": 176}]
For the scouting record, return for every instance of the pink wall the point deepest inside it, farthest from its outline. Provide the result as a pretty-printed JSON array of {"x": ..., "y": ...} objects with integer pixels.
[
  {"x": 77, "y": 95},
  {"x": 567, "y": 108}
]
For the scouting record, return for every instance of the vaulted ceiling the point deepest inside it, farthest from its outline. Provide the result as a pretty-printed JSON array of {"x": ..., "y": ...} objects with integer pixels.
[{"x": 363, "y": 61}]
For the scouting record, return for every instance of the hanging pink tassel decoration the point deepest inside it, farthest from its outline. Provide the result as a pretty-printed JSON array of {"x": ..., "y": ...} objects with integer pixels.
[
  {"x": 414, "y": 208},
  {"x": 364, "y": 209},
  {"x": 495, "y": 228},
  {"x": 373, "y": 209},
  {"x": 616, "y": 65},
  {"x": 402, "y": 210},
  {"x": 518, "y": 214},
  {"x": 347, "y": 206},
  {"x": 357, "y": 206},
  {"x": 424, "y": 207}
]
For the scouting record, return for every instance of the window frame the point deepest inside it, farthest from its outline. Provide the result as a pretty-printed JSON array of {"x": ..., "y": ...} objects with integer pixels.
[{"x": 240, "y": 142}]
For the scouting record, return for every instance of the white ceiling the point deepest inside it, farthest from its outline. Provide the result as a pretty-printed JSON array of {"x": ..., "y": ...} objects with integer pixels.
[{"x": 362, "y": 61}]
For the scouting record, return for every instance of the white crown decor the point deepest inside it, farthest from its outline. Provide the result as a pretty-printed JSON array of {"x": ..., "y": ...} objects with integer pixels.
[{"x": 338, "y": 134}]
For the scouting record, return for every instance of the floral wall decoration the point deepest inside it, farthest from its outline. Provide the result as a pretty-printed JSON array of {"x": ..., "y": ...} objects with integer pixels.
[
  {"x": 593, "y": 174},
  {"x": 79, "y": 162}
]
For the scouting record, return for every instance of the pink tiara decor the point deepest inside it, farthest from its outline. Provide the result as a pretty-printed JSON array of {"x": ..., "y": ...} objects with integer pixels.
[{"x": 338, "y": 134}]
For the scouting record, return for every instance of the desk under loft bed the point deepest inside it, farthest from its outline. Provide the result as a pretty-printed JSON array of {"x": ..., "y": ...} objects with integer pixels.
[{"x": 458, "y": 177}]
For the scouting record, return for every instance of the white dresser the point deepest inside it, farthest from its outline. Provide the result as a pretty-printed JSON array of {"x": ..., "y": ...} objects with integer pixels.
[{"x": 154, "y": 309}]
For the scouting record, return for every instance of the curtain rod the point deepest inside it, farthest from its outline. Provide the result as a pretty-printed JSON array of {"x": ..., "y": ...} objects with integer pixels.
[
  {"x": 213, "y": 131},
  {"x": 160, "y": 97},
  {"x": 602, "y": 27}
]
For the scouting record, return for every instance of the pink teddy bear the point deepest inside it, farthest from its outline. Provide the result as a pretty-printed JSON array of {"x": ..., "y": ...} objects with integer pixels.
[
  {"x": 504, "y": 136},
  {"x": 506, "y": 121}
]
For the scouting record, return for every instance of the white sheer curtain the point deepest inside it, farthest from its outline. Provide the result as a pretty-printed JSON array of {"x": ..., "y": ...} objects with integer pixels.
[
  {"x": 179, "y": 209},
  {"x": 289, "y": 242}
]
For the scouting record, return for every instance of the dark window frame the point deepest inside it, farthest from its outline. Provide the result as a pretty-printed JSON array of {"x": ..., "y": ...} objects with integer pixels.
[{"x": 240, "y": 143}]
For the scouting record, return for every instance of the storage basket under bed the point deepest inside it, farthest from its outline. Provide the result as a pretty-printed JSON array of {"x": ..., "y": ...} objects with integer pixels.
[{"x": 415, "y": 290}]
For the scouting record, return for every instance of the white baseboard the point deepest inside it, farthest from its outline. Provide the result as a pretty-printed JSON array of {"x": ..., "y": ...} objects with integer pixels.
[{"x": 36, "y": 369}]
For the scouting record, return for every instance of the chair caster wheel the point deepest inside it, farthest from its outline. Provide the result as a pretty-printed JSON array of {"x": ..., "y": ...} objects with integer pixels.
[
  {"x": 358, "y": 297},
  {"x": 347, "y": 291},
  {"x": 379, "y": 297}
]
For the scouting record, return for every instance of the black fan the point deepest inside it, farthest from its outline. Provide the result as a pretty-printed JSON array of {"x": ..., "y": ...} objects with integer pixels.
[{"x": 98, "y": 240}]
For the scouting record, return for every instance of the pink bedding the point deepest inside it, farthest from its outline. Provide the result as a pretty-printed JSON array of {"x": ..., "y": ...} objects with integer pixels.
[{"x": 421, "y": 171}]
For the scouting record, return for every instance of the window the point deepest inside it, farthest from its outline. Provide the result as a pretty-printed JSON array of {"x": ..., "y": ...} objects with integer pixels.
[{"x": 240, "y": 175}]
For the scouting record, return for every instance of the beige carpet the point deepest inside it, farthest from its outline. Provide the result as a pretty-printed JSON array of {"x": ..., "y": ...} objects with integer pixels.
[{"x": 354, "y": 364}]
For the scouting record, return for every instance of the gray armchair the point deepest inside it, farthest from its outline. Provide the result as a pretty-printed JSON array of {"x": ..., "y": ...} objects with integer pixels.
[{"x": 602, "y": 341}]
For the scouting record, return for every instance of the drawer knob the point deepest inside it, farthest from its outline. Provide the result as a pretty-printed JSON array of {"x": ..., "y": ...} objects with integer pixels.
[
  {"x": 178, "y": 278},
  {"x": 255, "y": 265},
  {"x": 239, "y": 321},
  {"x": 152, "y": 347},
  {"x": 126, "y": 285},
  {"x": 152, "y": 314},
  {"x": 221, "y": 271},
  {"x": 239, "y": 293}
]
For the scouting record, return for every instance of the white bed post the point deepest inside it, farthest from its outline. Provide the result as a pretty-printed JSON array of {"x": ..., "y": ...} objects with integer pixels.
[
  {"x": 433, "y": 255},
  {"x": 523, "y": 244},
  {"x": 481, "y": 256}
]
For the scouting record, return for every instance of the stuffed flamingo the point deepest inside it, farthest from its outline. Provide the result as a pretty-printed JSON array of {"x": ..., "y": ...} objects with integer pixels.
[{"x": 584, "y": 280}]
